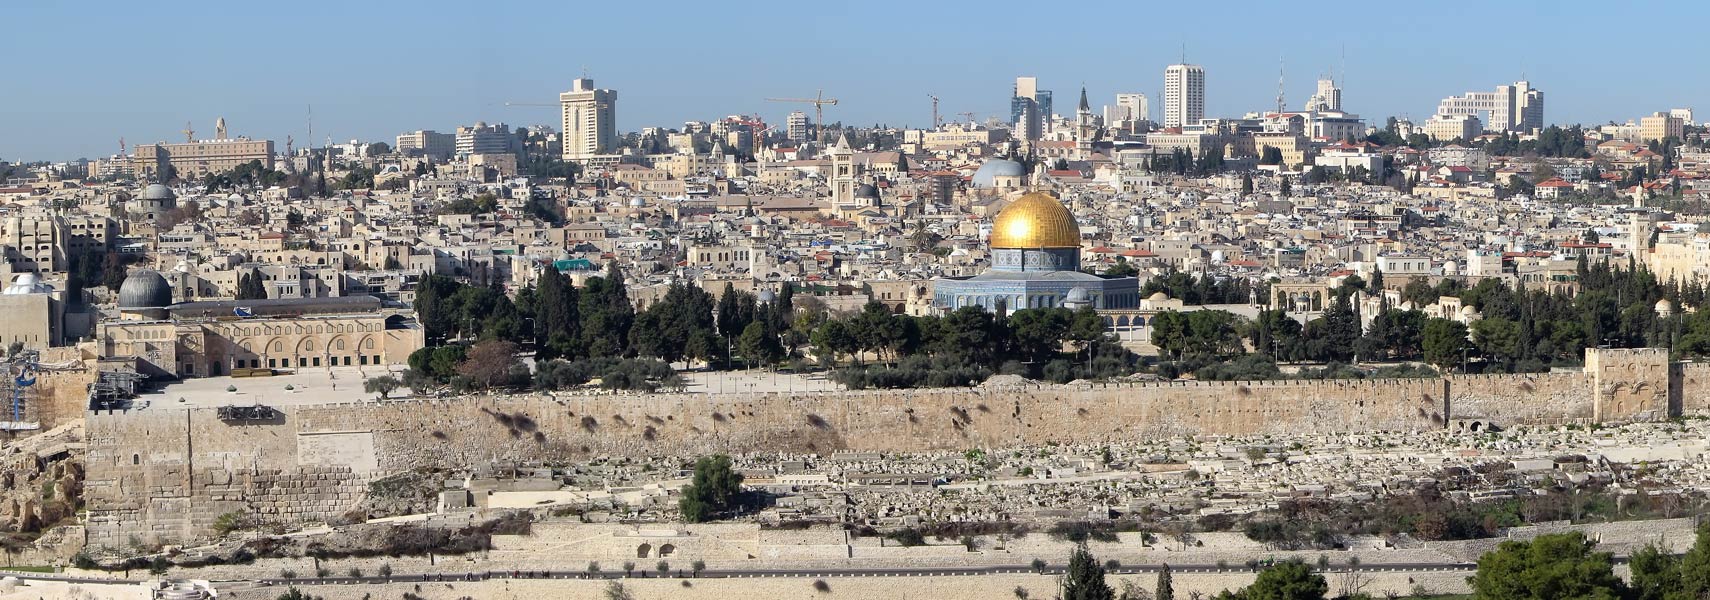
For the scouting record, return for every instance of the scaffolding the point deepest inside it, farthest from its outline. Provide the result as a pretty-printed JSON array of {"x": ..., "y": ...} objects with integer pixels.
[
  {"x": 113, "y": 390},
  {"x": 21, "y": 370}
]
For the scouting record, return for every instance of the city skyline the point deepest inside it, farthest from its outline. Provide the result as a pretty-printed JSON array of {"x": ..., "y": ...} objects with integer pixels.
[{"x": 1389, "y": 63}]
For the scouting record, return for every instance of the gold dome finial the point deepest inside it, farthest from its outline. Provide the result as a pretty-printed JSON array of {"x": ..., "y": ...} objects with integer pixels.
[{"x": 1035, "y": 220}]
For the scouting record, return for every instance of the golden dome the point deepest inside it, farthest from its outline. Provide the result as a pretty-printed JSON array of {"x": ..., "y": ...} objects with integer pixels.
[{"x": 1035, "y": 220}]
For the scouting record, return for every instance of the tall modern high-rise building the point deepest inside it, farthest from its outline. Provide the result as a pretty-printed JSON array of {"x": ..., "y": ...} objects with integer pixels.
[
  {"x": 590, "y": 120},
  {"x": 1517, "y": 108},
  {"x": 1131, "y": 107},
  {"x": 1328, "y": 98},
  {"x": 1184, "y": 95},
  {"x": 1029, "y": 108},
  {"x": 797, "y": 126}
]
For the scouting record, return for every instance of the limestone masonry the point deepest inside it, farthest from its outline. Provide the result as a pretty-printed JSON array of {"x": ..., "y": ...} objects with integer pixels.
[{"x": 164, "y": 476}]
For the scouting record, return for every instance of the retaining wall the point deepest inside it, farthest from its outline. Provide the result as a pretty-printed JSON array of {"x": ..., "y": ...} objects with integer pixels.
[{"x": 163, "y": 474}]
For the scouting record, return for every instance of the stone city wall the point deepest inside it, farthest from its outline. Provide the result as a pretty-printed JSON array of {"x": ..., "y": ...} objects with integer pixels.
[
  {"x": 459, "y": 432},
  {"x": 1692, "y": 389},
  {"x": 162, "y": 475},
  {"x": 1540, "y": 398}
]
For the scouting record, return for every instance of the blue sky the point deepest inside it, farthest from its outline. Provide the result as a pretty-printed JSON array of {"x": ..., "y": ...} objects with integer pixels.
[{"x": 81, "y": 75}]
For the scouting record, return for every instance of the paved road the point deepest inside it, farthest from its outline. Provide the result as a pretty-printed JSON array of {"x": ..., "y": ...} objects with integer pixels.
[
  {"x": 39, "y": 576},
  {"x": 847, "y": 572}
]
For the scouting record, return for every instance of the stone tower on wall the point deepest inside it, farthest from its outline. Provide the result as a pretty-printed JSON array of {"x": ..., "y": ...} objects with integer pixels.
[{"x": 1628, "y": 384}]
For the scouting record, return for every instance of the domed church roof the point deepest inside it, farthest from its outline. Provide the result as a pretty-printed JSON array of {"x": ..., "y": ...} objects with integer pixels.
[
  {"x": 1035, "y": 220},
  {"x": 997, "y": 167}
]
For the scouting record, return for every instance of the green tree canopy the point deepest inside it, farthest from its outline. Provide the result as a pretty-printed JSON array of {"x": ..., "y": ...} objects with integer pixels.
[
  {"x": 1085, "y": 578},
  {"x": 714, "y": 489},
  {"x": 1549, "y": 567},
  {"x": 1288, "y": 580}
]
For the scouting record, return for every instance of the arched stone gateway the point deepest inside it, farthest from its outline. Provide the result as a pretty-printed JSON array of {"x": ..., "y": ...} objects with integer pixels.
[{"x": 1631, "y": 384}]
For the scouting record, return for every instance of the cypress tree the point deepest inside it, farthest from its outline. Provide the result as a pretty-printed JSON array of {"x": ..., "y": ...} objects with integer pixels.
[
  {"x": 1085, "y": 578},
  {"x": 557, "y": 322}
]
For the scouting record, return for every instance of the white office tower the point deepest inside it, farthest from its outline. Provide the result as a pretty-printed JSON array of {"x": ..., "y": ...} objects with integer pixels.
[
  {"x": 1517, "y": 108},
  {"x": 1184, "y": 95},
  {"x": 797, "y": 126},
  {"x": 590, "y": 120}
]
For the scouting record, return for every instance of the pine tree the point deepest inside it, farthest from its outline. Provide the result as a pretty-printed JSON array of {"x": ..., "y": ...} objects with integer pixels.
[{"x": 1695, "y": 566}]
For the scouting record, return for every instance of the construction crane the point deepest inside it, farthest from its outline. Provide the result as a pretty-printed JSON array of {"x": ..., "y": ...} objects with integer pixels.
[
  {"x": 818, "y": 101},
  {"x": 756, "y": 129},
  {"x": 189, "y": 133},
  {"x": 969, "y": 115},
  {"x": 934, "y": 110},
  {"x": 554, "y": 105}
]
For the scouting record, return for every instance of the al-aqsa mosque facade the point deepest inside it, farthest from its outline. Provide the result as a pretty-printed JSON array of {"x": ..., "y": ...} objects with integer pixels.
[{"x": 1036, "y": 257}]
